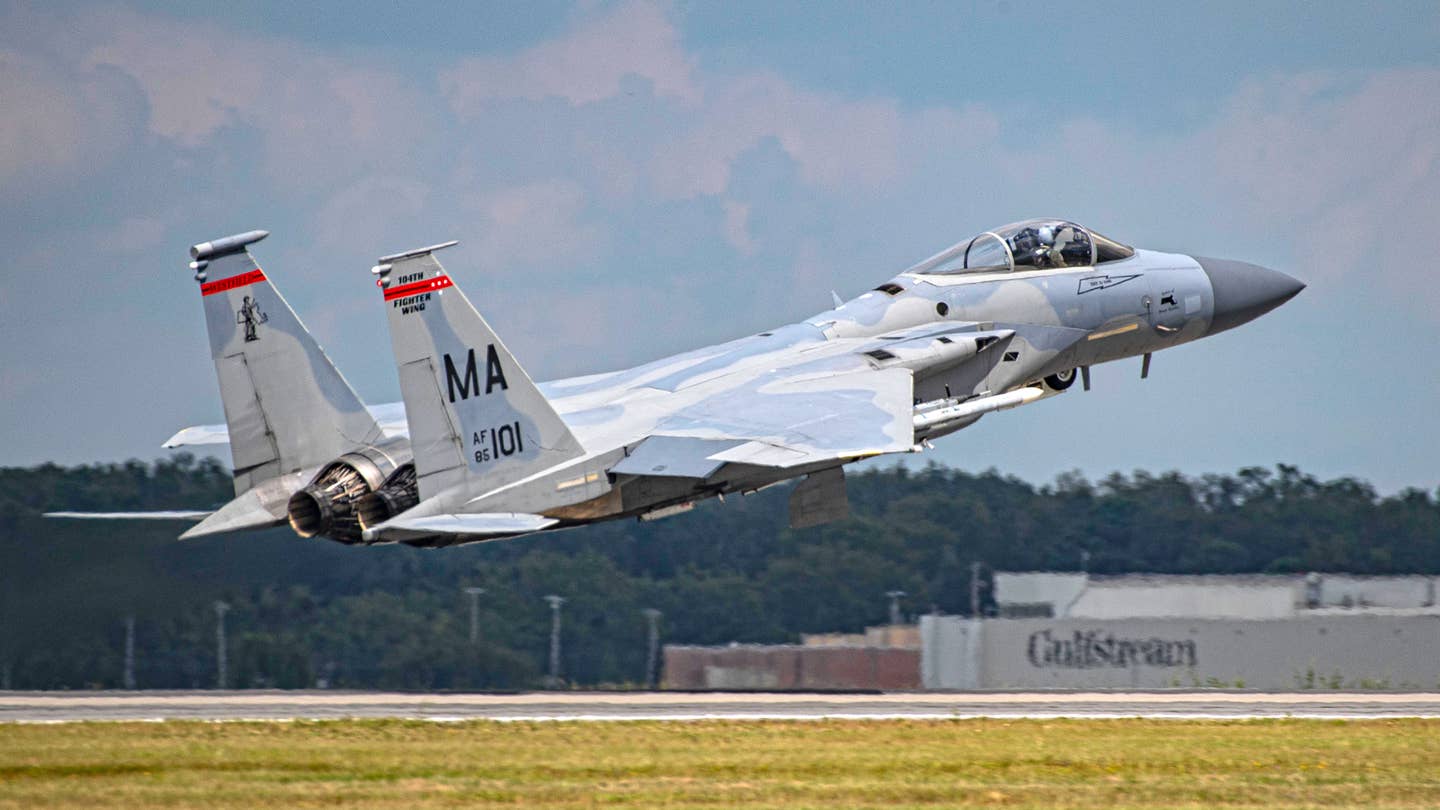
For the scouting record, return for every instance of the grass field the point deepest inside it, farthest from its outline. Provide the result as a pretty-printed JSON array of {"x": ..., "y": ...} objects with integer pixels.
[{"x": 830, "y": 764}]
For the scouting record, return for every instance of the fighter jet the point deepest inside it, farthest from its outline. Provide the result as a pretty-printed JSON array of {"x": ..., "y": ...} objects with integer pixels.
[
  {"x": 1001, "y": 320},
  {"x": 479, "y": 451}
]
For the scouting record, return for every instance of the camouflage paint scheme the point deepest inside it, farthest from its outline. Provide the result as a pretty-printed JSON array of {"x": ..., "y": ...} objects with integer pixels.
[{"x": 991, "y": 323}]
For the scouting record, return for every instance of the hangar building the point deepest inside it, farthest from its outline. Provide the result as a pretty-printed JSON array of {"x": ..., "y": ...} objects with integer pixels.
[
  {"x": 1073, "y": 630},
  {"x": 1154, "y": 631}
]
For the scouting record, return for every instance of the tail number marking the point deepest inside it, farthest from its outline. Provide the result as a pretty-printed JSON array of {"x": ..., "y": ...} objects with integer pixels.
[
  {"x": 468, "y": 382},
  {"x": 497, "y": 443}
]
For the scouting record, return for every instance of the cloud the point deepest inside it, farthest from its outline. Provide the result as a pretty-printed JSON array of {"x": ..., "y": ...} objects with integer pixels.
[
  {"x": 836, "y": 142},
  {"x": 60, "y": 123},
  {"x": 1326, "y": 171},
  {"x": 811, "y": 270},
  {"x": 538, "y": 225},
  {"x": 1337, "y": 173},
  {"x": 372, "y": 206},
  {"x": 136, "y": 234},
  {"x": 321, "y": 119},
  {"x": 586, "y": 65},
  {"x": 703, "y": 122},
  {"x": 1332, "y": 176},
  {"x": 737, "y": 230},
  {"x": 573, "y": 330},
  {"x": 1345, "y": 167}
]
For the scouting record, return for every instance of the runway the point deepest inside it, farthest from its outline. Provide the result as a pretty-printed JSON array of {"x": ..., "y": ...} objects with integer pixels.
[{"x": 42, "y": 707}]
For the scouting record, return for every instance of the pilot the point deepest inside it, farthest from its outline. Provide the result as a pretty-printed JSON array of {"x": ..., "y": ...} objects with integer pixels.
[
  {"x": 1040, "y": 251},
  {"x": 1064, "y": 241}
]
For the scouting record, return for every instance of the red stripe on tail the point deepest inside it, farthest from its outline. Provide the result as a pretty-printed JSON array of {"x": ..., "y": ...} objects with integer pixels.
[
  {"x": 232, "y": 283},
  {"x": 417, "y": 287}
]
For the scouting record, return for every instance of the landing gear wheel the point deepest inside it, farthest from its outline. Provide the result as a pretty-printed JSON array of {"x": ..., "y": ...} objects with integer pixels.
[{"x": 1061, "y": 380}]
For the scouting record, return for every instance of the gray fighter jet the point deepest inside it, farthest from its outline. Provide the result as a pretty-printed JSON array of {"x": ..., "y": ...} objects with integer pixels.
[{"x": 1009, "y": 317}]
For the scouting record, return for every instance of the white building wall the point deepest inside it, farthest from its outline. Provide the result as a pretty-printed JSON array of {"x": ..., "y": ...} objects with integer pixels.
[
  {"x": 1337, "y": 590},
  {"x": 950, "y": 652},
  {"x": 1039, "y": 587},
  {"x": 1353, "y": 651},
  {"x": 1249, "y": 601}
]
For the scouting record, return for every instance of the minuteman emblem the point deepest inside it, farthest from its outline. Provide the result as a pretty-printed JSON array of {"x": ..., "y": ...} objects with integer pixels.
[{"x": 250, "y": 316}]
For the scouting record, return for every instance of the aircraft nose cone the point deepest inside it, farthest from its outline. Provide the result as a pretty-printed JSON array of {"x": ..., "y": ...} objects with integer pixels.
[{"x": 1244, "y": 292}]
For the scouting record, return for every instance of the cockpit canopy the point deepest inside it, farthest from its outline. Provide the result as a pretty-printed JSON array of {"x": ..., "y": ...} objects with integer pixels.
[{"x": 1035, "y": 244}]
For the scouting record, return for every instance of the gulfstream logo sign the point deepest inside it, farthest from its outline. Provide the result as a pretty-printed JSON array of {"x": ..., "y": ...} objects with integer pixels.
[
  {"x": 1092, "y": 649},
  {"x": 467, "y": 382}
]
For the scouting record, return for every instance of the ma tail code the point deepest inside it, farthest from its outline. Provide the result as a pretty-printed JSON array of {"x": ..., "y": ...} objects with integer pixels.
[{"x": 468, "y": 383}]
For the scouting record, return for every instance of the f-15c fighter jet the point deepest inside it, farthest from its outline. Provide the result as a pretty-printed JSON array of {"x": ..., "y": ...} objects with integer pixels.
[
  {"x": 998, "y": 321},
  {"x": 481, "y": 452}
]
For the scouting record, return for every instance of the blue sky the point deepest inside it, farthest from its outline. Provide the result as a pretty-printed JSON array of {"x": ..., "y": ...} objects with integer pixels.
[{"x": 633, "y": 179}]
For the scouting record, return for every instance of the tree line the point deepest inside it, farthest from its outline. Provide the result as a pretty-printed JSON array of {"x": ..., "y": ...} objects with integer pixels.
[{"x": 312, "y": 612}]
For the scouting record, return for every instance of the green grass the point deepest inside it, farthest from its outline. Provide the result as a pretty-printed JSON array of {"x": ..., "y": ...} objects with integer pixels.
[{"x": 824, "y": 764}]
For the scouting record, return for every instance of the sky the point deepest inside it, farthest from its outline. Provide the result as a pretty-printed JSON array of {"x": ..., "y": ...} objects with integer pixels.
[{"x": 629, "y": 180}]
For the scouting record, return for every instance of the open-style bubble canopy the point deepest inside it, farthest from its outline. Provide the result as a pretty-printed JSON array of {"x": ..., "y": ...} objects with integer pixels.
[{"x": 1035, "y": 244}]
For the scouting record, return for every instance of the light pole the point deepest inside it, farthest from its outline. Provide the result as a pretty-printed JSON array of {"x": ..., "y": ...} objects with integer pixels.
[
  {"x": 555, "y": 603},
  {"x": 895, "y": 605},
  {"x": 129, "y": 678},
  {"x": 652, "y": 618},
  {"x": 975, "y": 586},
  {"x": 474, "y": 613},
  {"x": 220, "y": 663}
]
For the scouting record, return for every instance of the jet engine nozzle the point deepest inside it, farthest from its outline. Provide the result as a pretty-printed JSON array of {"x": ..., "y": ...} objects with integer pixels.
[
  {"x": 310, "y": 512},
  {"x": 329, "y": 505},
  {"x": 399, "y": 492}
]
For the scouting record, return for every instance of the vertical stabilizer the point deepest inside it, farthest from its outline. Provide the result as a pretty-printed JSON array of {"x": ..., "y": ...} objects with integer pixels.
[
  {"x": 286, "y": 405},
  {"x": 475, "y": 416}
]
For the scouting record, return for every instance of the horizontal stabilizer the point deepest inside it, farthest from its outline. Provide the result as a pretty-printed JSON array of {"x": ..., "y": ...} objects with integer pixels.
[
  {"x": 172, "y": 514},
  {"x": 478, "y": 526},
  {"x": 199, "y": 434},
  {"x": 389, "y": 415},
  {"x": 245, "y": 512}
]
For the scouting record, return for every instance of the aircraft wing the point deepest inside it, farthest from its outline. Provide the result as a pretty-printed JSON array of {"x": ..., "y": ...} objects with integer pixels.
[
  {"x": 256, "y": 508},
  {"x": 840, "y": 400},
  {"x": 785, "y": 418}
]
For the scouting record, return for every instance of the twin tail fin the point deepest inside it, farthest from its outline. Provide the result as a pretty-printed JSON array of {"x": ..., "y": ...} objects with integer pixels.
[
  {"x": 287, "y": 407},
  {"x": 476, "y": 418}
]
